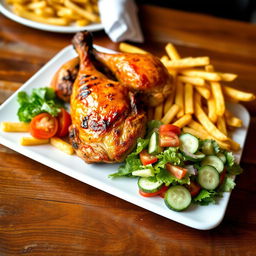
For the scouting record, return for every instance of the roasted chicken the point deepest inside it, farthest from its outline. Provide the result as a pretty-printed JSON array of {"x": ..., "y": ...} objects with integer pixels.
[
  {"x": 106, "y": 121},
  {"x": 143, "y": 74}
]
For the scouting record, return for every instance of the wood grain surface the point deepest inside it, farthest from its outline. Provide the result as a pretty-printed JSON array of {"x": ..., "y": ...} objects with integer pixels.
[{"x": 43, "y": 212}]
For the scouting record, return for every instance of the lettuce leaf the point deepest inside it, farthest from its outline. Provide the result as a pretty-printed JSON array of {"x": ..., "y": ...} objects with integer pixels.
[
  {"x": 228, "y": 184},
  {"x": 206, "y": 197},
  {"x": 132, "y": 161},
  {"x": 41, "y": 100}
]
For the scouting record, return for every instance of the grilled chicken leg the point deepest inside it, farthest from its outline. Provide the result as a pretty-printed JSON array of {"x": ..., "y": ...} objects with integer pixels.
[
  {"x": 142, "y": 73},
  {"x": 105, "y": 120}
]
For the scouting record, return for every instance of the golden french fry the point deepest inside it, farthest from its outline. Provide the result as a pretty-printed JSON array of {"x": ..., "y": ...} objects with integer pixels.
[
  {"x": 183, "y": 121},
  {"x": 204, "y": 91},
  {"x": 158, "y": 112},
  {"x": 164, "y": 59},
  {"x": 218, "y": 98},
  {"x": 172, "y": 52},
  {"x": 62, "y": 145},
  {"x": 188, "y": 62},
  {"x": 189, "y": 104},
  {"x": 207, "y": 124},
  {"x": 84, "y": 13},
  {"x": 211, "y": 76},
  {"x": 227, "y": 77},
  {"x": 237, "y": 94},
  {"x": 171, "y": 113},
  {"x": 124, "y": 47},
  {"x": 14, "y": 127},
  {"x": 221, "y": 124},
  {"x": 31, "y": 16},
  {"x": 36, "y": 5},
  {"x": 31, "y": 141},
  {"x": 192, "y": 80},
  {"x": 212, "y": 109},
  {"x": 232, "y": 120},
  {"x": 172, "y": 72},
  {"x": 168, "y": 102},
  {"x": 82, "y": 22},
  {"x": 179, "y": 98}
]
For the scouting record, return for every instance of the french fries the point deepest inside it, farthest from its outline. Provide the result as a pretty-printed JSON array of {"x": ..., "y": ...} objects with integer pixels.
[
  {"x": 31, "y": 141},
  {"x": 62, "y": 145},
  {"x": 58, "y": 12},
  {"x": 189, "y": 104},
  {"x": 218, "y": 98},
  {"x": 124, "y": 47},
  {"x": 188, "y": 62},
  {"x": 171, "y": 113},
  {"x": 172, "y": 52},
  {"x": 237, "y": 94},
  {"x": 183, "y": 121},
  {"x": 179, "y": 98},
  {"x": 14, "y": 127}
]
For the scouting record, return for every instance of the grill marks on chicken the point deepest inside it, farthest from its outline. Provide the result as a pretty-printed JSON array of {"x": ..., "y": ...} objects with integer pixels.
[{"x": 105, "y": 120}]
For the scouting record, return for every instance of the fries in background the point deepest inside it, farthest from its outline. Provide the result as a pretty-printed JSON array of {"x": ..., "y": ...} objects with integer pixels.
[
  {"x": 57, "y": 12},
  {"x": 200, "y": 98}
]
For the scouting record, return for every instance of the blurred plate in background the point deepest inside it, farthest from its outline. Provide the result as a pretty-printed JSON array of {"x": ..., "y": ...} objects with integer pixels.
[{"x": 5, "y": 9}]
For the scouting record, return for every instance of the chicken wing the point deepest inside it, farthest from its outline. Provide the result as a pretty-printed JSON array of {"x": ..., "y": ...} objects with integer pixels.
[{"x": 105, "y": 119}]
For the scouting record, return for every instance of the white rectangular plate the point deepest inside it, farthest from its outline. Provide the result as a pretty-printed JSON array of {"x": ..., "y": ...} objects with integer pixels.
[{"x": 199, "y": 217}]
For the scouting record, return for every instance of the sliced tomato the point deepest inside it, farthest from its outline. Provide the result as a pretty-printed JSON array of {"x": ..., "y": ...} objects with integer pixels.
[
  {"x": 64, "y": 121},
  {"x": 194, "y": 188},
  {"x": 146, "y": 158},
  {"x": 222, "y": 176},
  {"x": 176, "y": 171},
  {"x": 165, "y": 128},
  {"x": 169, "y": 140},
  {"x": 43, "y": 126},
  {"x": 159, "y": 192},
  {"x": 163, "y": 192}
]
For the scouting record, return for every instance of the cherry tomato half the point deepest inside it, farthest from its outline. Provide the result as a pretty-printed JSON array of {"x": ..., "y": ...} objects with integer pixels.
[
  {"x": 43, "y": 126},
  {"x": 168, "y": 140},
  {"x": 176, "y": 171},
  {"x": 194, "y": 188},
  {"x": 146, "y": 158},
  {"x": 64, "y": 121},
  {"x": 159, "y": 192},
  {"x": 164, "y": 129}
]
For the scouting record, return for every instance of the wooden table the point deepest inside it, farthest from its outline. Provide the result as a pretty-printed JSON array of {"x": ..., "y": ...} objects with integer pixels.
[{"x": 43, "y": 212}]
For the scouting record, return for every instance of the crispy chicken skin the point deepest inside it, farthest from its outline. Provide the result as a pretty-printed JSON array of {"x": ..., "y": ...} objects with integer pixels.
[
  {"x": 141, "y": 73},
  {"x": 64, "y": 78},
  {"x": 105, "y": 120}
]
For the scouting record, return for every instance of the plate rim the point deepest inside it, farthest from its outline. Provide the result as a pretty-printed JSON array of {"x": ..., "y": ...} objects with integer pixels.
[
  {"x": 139, "y": 201},
  {"x": 5, "y": 9}
]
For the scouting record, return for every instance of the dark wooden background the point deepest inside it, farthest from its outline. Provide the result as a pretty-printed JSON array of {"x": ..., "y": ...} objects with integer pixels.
[{"x": 43, "y": 212}]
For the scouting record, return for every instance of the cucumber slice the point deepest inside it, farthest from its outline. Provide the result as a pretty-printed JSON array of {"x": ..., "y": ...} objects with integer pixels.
[
  {"x": 207, "y": 147},
  {"x": 153, "y": 147},
  {"x": 177, "y": 198},
  {"x": 215, "y": 162},
  {"x": 143, "y": 173},
  {"x": 208, "y": 177},
  {"x": 194, "y": 157},
  {"x": 222, "y": 157},
  {"x": 189, "y": 143},
  {"x": 148, "y": 186}
]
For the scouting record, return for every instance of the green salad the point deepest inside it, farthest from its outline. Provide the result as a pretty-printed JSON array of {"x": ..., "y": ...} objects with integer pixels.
[{"x": 179, "y": 167}]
